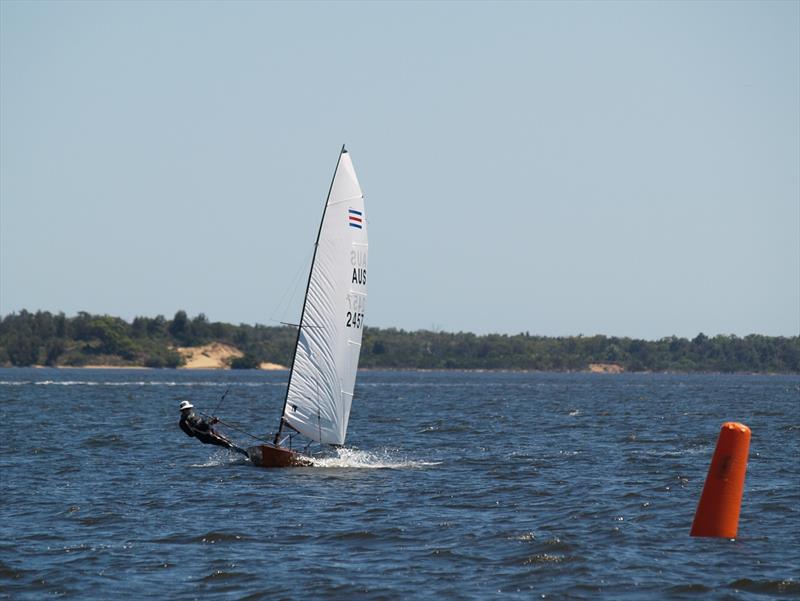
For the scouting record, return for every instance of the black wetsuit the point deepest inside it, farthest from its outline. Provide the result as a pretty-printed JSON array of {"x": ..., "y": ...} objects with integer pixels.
[{"x": 200, "y": 429}]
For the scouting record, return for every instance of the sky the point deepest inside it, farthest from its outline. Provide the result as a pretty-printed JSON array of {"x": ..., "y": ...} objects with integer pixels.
[{"x": 617, "y": 168}]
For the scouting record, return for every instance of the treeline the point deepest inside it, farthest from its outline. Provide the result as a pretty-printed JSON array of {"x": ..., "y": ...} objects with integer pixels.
[
  {"x": 440, "y": 350},
  {"x": 43, "y": 338}
]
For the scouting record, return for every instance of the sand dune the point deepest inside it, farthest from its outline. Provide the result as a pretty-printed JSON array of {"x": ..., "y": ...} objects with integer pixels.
[
  {"x": 209, "y": 356},
  {"x": 216, "y": 355},
  {"x": 606, "y": 368},
  {"x": 272, "y": 366}
]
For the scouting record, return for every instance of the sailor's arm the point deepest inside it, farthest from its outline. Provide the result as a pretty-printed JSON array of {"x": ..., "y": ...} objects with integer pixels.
[
  {"x": 186, "y": 428},
  {"x": 198, "y": 424}
]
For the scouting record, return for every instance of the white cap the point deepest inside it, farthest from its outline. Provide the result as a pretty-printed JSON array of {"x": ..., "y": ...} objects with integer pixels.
[{"x": 186, "y": 405}]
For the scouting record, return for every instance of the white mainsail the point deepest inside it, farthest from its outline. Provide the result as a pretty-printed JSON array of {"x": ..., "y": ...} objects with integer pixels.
[{"x": 329, "y": 341}]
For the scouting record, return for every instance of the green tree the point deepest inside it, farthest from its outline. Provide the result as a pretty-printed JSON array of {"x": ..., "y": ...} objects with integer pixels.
[
  {"x": 245, "y": 362},
  {"x": 22, "y": 350},
  {"x": 177, "y": 327}
]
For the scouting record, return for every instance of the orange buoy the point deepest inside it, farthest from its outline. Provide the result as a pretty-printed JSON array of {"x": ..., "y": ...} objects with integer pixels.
[{"x": 718, "y": 511}]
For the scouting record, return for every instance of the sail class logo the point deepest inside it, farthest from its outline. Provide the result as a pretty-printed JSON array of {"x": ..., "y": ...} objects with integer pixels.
[{"x": 355, "y": 218}]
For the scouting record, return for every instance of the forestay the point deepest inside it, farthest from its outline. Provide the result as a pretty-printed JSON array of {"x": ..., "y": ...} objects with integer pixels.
[{"x": 323, "y": 374}]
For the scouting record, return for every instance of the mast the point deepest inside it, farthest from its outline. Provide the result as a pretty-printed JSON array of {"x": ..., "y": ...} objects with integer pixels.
[{"x": 305, "y": 298}]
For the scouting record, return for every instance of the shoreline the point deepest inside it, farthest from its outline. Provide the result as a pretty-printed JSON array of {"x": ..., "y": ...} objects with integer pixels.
[
  {"x": 264, "y": 367},
  {"x": 277, "y": 367}
]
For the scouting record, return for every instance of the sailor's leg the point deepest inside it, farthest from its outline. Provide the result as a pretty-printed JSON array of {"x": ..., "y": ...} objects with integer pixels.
[
  {"x": 233, "y": 447},
  {"x": 216, "y": 440},
  {"x": 221, "y": 441}
]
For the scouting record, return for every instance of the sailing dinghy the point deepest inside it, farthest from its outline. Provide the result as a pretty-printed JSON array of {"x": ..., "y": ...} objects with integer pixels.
[{"x": 325, "y": 361}]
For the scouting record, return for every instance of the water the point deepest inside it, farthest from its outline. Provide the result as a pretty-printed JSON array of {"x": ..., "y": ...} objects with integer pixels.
[{"x": 453, "y": 486}]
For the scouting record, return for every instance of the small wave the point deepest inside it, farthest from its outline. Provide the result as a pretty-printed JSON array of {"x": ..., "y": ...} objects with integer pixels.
[
  {"x": 766, "y": 586},
  {"x": 223, "y": 576},
  {"x": 11, "y": 573},
  {"x": 209, "y": 538},
  {"x": 690, "y": 588},
  {"x": 356, "y": 535},
  {"x": 442, "y": 554},
  {"x": 107, "y": 518},
  {"x": 104, "y": 440},
  {"x": 353, "y": 458},
  {"x": 445, "y": 429},
  {"x": 545, "y": 558},
  {"x": 556, "y": 544}
]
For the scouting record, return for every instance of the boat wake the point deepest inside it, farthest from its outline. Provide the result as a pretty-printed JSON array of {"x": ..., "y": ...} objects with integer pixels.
[
  {"x": 353, "y": 458},
  {"x": 222, "y": 458}
]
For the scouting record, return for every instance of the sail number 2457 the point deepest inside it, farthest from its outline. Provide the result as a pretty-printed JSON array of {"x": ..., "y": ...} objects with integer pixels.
[{"x": 354, "y": 320}]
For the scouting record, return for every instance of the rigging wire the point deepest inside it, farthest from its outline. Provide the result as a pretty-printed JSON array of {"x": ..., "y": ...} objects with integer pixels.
[
  {"x": 290, "y": 292},
  {"x": 232, "y": 427},
  {"x": 227, "y": 390}
]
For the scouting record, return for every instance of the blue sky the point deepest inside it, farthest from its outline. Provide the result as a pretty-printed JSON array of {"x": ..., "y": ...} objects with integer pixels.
[{"x": 628, "y": 169}]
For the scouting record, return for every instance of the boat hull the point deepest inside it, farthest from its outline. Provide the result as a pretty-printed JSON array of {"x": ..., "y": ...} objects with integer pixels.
[{"x": 274, "y": 456}]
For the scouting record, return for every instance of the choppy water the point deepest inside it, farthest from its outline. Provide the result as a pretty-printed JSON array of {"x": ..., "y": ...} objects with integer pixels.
[{"x": 454, "y": 486}]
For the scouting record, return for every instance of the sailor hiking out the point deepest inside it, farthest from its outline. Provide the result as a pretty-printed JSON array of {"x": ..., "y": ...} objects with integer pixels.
[{"x": 202, "y": 429}]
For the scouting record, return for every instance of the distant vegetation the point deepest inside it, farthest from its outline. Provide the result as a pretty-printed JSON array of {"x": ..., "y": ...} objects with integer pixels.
[{"x": 43, "y": 338}]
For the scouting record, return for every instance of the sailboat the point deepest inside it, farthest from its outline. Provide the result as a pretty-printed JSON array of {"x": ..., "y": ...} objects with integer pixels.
[{"x": 325, "y": 361}]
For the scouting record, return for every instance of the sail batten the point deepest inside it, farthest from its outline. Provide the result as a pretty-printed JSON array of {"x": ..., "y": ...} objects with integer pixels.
[
  {"x": 323, "y": 375},
  {"x": 334, "y": 202}
]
